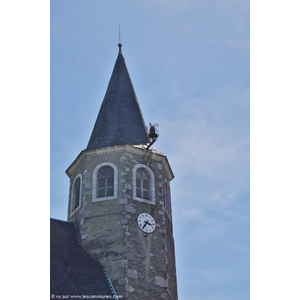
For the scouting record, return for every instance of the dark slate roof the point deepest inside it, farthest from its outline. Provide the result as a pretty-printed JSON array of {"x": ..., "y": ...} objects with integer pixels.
[
  {"x": 120, "y": 119},
  {"x": 72, "y": 270}
]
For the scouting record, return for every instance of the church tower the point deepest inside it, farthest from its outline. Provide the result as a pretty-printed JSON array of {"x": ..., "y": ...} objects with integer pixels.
[{"x": 120, "y": 200}]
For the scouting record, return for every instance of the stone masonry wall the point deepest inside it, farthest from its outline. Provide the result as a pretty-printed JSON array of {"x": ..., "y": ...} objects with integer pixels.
[{"x": 140, "y": 266}]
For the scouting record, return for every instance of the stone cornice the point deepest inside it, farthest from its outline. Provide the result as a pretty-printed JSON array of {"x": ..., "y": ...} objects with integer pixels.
[{"x": 139, "y": 150}]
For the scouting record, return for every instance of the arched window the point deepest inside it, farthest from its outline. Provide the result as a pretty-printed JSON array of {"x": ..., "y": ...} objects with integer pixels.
[
  {"x": 142, "y": 184},
  {"x": 105, "y": 182},
  {"x": 76, "y": 194}
]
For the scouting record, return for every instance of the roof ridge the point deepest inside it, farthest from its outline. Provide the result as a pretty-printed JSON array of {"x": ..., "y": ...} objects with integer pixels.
[{"x": 58, "y": 220}]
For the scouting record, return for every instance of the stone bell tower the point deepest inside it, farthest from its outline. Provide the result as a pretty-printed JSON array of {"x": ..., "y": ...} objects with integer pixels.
[{"x": 120, "y": 197}]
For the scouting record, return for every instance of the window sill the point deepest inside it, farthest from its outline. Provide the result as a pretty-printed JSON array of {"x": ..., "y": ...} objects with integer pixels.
[
  {"x": 104, "y": 198},
  {"x": 152, "y": 201}
]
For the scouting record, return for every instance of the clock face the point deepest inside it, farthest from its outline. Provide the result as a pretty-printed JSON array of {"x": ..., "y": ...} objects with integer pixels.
[{"x": 146, "y": 222}]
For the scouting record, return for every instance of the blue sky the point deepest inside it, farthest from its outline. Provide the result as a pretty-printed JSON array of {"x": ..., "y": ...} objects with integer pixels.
[
  {"x": 193, "y": 58},
  {"x": 190, "y": 65}
]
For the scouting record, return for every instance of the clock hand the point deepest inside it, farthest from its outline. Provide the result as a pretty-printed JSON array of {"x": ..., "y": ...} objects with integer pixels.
[{"x": 146, "y": 222}]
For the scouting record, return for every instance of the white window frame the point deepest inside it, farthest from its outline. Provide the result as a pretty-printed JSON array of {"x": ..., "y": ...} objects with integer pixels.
[
  {"x": 72, "y": 204},
  {"x": 152, "y": 199},
  {"x": 94, "y": 184}
]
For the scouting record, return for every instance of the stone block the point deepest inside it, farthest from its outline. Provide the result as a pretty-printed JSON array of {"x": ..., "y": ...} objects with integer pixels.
[
  {"x": 128, "y": 186},
  {"x": 123, "y": 201},
  {"x": 123, "y": 263},
  {"x": 129, "y": 255},
  {"x": 83, "y": 236},
  {"x": 161, "y": 281},
  {"x": 132, "y": 273},
  {"x": 129, "y": 288},
  {"x": 129, "y": 208}
]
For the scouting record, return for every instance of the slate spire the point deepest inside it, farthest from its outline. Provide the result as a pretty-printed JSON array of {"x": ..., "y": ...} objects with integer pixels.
[{"x": 120, "y": 120}]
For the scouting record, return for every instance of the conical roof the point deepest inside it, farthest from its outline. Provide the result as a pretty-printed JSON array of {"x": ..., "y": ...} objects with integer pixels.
[{"x": 120, "y": 120}]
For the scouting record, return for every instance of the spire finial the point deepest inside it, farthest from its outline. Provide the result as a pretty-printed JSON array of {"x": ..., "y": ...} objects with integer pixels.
[{"x": 120, "y": 42}]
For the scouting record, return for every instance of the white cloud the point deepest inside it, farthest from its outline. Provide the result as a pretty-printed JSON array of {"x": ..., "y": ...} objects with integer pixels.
[
  {"x": 210, "y": 161},
  {"x": 206, "y": 152},
  {"x": 212, "y": 136}
]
